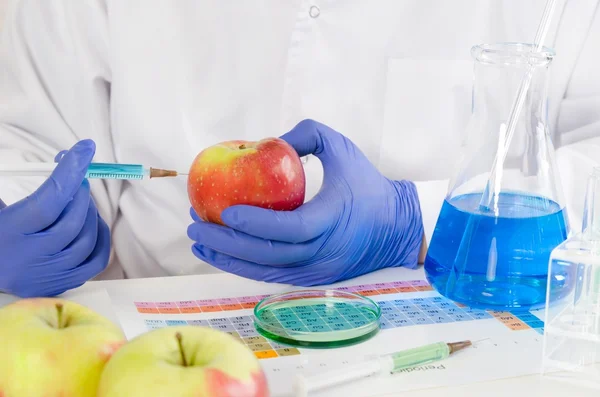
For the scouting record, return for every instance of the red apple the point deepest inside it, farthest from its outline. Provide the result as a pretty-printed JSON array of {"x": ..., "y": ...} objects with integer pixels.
[{"x": 266, "y": 173}]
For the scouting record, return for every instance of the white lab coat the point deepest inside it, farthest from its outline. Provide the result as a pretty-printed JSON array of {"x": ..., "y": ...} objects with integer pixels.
[{"x": 156, "y": 82}]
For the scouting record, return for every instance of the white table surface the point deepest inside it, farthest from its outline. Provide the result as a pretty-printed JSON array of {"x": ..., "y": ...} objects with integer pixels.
[{"x": 94, "y": 294}]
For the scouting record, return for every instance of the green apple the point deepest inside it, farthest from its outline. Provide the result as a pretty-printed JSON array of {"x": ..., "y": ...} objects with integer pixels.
[
  {"x": 183, "y": 361},
  {"x": 53, "y": 347}
]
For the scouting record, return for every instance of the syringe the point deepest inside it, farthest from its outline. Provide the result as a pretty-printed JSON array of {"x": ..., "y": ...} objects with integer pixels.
[
  {"x": 385, "y": 364},
  {"x": 95, "y": 170}
]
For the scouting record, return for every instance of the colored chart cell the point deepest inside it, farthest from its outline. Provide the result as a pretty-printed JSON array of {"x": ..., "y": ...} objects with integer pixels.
[
  {"x": 167, "y": 307},
  {"x": 249, "y": 302},
  {"x": 266, "y": 354},
  {"x": 146, "y": 307},
  {"x": 188, "y": 307}
]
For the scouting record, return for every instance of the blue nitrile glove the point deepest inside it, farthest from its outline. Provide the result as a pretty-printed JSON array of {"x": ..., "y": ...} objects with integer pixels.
[
  {"x": 54, "y": 240},
  {"x": 359, "y": 222}
]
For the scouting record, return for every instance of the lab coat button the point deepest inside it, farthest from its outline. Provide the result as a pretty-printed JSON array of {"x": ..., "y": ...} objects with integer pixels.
[{"x": 314, "y": 12}]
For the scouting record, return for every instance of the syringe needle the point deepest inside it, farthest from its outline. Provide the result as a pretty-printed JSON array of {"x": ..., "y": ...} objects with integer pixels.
[
  {"x": 456, "y": 346},
  {"x": 160, "y": 173}
]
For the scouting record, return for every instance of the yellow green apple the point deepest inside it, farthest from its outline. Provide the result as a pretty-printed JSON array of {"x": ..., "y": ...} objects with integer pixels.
[
  {"x": 183, "y": 361},
  {"x": 53, "y": 347}
]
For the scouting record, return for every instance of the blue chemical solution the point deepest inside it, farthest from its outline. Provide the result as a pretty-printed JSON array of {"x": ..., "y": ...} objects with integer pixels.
[{"x": 495, "y": 262}]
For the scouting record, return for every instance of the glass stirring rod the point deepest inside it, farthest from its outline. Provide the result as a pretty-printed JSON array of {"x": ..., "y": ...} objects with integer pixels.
[
  {"x": 387, "y": 363},
  {"x": 94, "y": 171}
]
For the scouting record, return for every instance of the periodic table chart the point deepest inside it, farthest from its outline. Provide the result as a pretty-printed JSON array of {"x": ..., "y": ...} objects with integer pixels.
[{"x": 412, "y": 314}]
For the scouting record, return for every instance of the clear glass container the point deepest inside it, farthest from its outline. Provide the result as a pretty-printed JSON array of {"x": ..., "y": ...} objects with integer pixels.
[
  {"x": 317, "y": 318},
  {"x": 572, "y": 323},
  {"x": 495, "y": 256}
]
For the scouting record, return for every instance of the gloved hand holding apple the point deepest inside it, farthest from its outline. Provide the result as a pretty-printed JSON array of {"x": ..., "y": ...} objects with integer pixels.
[{"x": 250, "y": 219}]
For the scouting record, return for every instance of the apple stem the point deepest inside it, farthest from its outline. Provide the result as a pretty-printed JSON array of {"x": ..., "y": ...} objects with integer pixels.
[
  {"x": 184, "y": 361},
  {"x": 242, "y": 146},
  {"x": 59, "y": 312}
]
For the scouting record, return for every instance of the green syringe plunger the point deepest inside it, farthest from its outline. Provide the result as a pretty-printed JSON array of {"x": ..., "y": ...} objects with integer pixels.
[{"x": 425, "y": 354}]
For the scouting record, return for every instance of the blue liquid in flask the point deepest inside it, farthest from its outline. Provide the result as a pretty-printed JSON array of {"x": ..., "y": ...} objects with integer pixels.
[{"x": 495, "y": 262}]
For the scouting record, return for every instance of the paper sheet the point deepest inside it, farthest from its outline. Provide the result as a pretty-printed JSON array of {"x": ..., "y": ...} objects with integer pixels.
[{"x": 416, "y": 315}]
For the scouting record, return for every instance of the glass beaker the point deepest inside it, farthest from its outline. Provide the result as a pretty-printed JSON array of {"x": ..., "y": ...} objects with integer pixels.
[
  {"x": 572, "y": 317},
  {"x": 496, "y": 256}
]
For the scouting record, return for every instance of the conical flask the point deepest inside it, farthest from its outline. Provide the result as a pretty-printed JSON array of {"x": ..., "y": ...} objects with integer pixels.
[{"x": 495, "y": 256}]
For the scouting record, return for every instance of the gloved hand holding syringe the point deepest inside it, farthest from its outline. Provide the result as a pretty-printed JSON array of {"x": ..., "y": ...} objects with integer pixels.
[{"x": 54, "y": 239}]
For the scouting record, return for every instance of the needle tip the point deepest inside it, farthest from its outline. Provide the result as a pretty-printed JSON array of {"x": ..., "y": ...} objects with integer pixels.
[
  {"x": 160, "y": 173},
  {"x": 456, "y": 346}
]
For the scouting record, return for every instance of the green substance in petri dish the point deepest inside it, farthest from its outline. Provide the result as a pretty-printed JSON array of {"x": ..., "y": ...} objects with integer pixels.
[{"x": 317, "y": 318}]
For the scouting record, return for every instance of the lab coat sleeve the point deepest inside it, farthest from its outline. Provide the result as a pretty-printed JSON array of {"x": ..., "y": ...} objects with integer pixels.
[
  {"x": 578, "y": 126},
  {"x": 54, "y": 90}
]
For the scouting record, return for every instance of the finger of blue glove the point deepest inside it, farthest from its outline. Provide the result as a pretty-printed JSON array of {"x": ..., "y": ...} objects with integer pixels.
[
  {"x": 81, "y": 247},
  {"x": 305, "y": 223},
  {"x": 300, "y": 275},
  {"x": 250, "y": 248},
  {"x": 45, "y": 205},
  {"x": 67, "y": 226},
  {"x": 194, "y": 215},
  {"x": 312, "y": 137},
  {"x": 60, "y": 155},
  {"x": 91, "y": 267},
  {"x": 305, "y": 138}
]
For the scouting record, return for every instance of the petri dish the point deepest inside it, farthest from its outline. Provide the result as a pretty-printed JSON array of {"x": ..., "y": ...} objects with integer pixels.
[{"x": 317, "y": 318}]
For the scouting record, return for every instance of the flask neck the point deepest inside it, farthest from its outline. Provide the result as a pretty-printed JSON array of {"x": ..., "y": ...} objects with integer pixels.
[
  {"x": 499, "y": 72},
  {"x": 591, "y": 211}
]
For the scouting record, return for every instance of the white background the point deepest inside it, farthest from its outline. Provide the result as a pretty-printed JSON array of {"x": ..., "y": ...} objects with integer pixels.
[{"x": 2, "y": 11}]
